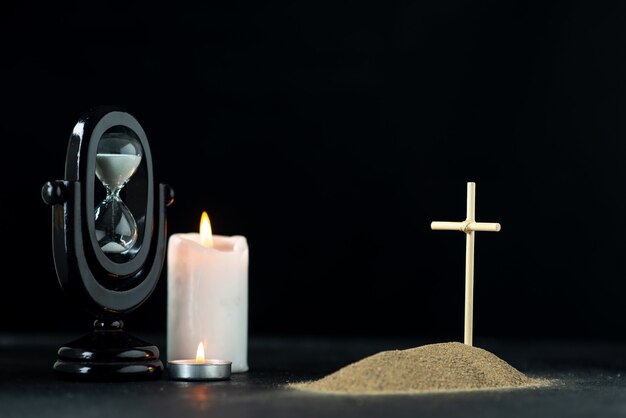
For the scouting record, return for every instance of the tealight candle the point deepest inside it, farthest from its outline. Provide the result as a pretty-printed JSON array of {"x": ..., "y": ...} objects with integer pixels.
[
  {"x": 199, "y": 369},
  {"x": 207, "y": 297}
]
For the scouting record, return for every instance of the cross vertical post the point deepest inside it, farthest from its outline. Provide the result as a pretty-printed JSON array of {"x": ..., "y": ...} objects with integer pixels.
[
  {"x": 469, "y": 266},
  {"x": 469, "y": 226}
]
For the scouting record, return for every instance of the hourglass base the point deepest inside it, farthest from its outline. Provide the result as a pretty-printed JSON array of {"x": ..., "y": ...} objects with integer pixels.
[{"x": 108, "y": 354}]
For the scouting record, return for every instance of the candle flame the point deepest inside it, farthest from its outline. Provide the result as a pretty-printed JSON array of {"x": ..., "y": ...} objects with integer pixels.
[
  {"x": 200, "y": 353},
  {"x": 206, "y": 235}
]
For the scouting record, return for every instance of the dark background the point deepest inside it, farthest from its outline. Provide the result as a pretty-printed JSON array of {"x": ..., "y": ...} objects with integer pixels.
[{"x": 331, "y": 135}]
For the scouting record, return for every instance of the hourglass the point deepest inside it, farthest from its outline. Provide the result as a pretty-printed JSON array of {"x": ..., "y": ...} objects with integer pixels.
[
  {"x": 117, "y": 158},
  {"x": 108, "y": 243}
]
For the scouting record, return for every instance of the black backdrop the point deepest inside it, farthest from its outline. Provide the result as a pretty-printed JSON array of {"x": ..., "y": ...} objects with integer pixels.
[{"x": 331, "y": 135}]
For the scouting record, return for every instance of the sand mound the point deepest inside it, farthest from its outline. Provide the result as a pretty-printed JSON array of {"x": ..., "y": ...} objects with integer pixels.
[{"x": 434, "y": 367}]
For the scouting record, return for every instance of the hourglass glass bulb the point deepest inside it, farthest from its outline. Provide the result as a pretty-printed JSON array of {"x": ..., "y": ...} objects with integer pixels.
[
  {"x": 117, "y": 159},
  {"x": 116, "y": 229}
]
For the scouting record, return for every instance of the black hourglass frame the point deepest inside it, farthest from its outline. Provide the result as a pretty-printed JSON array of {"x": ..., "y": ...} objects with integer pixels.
[{"x": 108, "y": 287}]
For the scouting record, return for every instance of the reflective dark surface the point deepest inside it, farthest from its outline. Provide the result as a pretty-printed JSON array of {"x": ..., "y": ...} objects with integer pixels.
[{"x": 590, "y": 383}]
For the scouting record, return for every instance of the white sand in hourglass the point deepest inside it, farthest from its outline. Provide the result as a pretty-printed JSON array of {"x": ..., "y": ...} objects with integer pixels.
[{"x": 114, "y": 170}]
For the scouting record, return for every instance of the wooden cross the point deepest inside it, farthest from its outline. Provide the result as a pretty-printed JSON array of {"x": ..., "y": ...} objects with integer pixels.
[{"x": 469, "y": 226}]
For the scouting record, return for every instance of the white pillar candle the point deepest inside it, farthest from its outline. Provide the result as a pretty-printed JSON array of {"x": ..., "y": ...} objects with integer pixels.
[{"x": 207, "y": 298}]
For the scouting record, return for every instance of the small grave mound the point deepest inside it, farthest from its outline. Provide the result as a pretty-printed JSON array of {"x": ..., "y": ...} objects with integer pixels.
[{"x": 429, "y": 368}]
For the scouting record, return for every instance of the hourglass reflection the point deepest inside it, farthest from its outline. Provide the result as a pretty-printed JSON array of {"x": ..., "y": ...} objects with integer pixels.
[{"x": 117, "y": 159}]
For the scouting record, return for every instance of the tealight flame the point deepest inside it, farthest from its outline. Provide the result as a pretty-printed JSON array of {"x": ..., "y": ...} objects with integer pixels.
[
  {"x": 206, "y": 235},
  {"x": 200, "y": 353}
]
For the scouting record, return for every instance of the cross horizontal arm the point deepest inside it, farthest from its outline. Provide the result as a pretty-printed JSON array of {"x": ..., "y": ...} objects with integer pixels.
[
  {"x": 465, "y": 226},
  {"x": 484, "y": 226}
]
